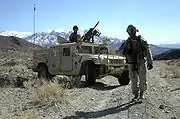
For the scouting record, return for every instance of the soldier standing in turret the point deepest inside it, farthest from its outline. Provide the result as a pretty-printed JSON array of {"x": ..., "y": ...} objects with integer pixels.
[
  {"x": 137, "y": 51},
  {"x": 74, "y": 37}
]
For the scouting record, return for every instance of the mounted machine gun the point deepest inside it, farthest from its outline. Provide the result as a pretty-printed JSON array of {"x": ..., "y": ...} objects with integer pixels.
[{"x": 91, "y": 33}]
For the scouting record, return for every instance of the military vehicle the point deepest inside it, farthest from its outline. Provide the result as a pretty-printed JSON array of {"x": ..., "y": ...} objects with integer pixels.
[{"x": 78, "y": 59}]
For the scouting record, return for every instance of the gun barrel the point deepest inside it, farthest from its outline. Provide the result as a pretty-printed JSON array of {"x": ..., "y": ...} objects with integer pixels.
[{"x": 96, "y": 25}]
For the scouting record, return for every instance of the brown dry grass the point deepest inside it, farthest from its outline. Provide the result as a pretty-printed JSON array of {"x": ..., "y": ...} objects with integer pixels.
[
  {"x": 43, "y": 94},
  {"x": 48, "y": 93},
  {"x": 173, "y": 62},
  {"x": 51, "y": 93},
  {"x": 172, "y": 69}
]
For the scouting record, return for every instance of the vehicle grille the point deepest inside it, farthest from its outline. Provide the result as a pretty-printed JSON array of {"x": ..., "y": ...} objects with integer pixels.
[{"x": 115, "y": 61}]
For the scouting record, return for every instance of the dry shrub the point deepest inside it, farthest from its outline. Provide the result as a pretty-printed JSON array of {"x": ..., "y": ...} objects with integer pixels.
[
  {"x": 29, "y": 84},
  {"x": 173, "y": 62},
  {"x": 175, "y": 73},
  {"x": 51, "y": 93},
  {"x": 170, "y": 62},
  {"x": 172, "y": 71},
  {"x": 69, "y": 82},
  {"x": 64, "y": 81}
]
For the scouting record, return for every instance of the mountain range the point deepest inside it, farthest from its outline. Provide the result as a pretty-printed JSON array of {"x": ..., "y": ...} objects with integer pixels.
[
  {"x": 49, "y": 38},
  {"x": 168, "y": 55},
  {"x": 171, "y": 45}
]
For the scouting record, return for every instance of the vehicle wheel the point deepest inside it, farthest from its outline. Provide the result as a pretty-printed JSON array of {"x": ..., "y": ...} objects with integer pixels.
[
  {"x": 90, "y": 74},
  {"x": 43, "y": 73},
  {"x": 77, "y": 81},
  {"x": 124, "y": 79}
]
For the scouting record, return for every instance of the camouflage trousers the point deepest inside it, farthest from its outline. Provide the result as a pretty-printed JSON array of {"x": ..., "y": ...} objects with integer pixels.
[{"x": 138, "y": 77}]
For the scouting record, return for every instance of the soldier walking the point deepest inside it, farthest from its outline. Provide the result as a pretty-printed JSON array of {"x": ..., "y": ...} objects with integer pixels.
[{"x": 137, "y": 52}]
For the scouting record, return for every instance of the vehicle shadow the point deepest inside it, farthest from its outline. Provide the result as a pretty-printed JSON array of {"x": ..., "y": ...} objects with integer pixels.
[
  {"x": 101, "y": 113},
  {"x": 102, "y": 86},
  {"x": 99, "y": 86}
]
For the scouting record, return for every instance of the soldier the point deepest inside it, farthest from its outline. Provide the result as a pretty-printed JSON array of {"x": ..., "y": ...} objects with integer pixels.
[
  {"x": 74, "y": 37},
  {"x": 137, "y": 51}
]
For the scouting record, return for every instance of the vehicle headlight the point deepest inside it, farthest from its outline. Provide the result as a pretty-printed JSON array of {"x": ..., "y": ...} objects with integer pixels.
[
  {"x": 108, "y": 61},
  {"x": 94, "y": 59}
]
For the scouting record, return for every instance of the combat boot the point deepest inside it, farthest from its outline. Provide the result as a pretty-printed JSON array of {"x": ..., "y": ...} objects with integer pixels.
[
  {"x": 141, "y": 96},
  {"x": 135, "y": 97}
]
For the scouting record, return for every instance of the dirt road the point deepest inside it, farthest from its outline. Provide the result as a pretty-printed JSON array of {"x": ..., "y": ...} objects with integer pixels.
[
  {"x": 105, "y": 100},
  {"x": 114, "y": 102}
]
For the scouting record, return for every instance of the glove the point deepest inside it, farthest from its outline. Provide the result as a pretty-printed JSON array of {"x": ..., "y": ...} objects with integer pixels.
[{"x": 149, "y": 66}]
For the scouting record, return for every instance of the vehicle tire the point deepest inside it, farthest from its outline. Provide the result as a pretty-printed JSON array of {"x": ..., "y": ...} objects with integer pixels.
[
  {"x": 51, "y": 77},
  {"x": 77, "y": 81},
  {"x": 124, "y": 79},
  {"x": 43, "y": 73},
  {"x": 90, "y": 74}
]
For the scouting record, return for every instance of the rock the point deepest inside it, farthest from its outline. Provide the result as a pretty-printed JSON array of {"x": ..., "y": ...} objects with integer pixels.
[
  {"x": 161, "y": 106},
  {"x": 11, "y": 80},
  {"x": 92, "y": 98},
  {"x": 20, "y": 82},
  {"x": 6, "y": 80},
  {"x": 167, "y": 111}
]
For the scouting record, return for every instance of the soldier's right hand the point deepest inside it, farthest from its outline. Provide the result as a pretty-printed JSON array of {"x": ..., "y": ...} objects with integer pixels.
[{"x": 149, "y": 66}]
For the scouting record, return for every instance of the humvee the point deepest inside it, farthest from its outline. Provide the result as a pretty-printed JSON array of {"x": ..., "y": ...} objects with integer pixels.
[{"x": 89, "y": 59}]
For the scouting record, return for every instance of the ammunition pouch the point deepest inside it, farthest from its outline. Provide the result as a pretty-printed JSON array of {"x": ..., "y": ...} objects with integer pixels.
[{"x": 142, "y": 49}]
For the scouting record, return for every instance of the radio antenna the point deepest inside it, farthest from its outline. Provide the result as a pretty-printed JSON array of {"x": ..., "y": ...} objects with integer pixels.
[{"x": 34, "y": 23}]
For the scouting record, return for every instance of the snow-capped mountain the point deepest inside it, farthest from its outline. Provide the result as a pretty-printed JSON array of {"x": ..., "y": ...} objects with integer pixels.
[
  {"x": 48, "y": 38},
  {"x": 171, "y": 45},
  {"x": 15, "y": 33},
  {"x": 115, "y": 43}
]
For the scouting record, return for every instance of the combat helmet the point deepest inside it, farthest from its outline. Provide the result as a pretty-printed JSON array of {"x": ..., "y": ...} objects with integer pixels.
[
  {"x": 131, "y": 29},
  {"x": 75, "y": 27}
]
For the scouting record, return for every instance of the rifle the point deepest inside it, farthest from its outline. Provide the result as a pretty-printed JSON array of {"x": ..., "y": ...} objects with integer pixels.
[{"x": 91, "y": 33}]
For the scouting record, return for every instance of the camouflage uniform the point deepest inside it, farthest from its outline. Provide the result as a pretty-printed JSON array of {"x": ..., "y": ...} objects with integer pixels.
[
  {"x": 74, "y": 37},
  {"x": 137, "y": 52}
]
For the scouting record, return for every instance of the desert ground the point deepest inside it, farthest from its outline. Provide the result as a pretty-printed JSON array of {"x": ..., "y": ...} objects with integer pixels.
[{"x": 66, "y": 100}]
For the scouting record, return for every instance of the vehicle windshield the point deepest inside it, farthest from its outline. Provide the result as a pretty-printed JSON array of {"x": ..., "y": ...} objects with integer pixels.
[
  {"x": 97, "y": 50},
  {"x": 101, "y": 50},
  {"x": 85, "y": 49}
]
